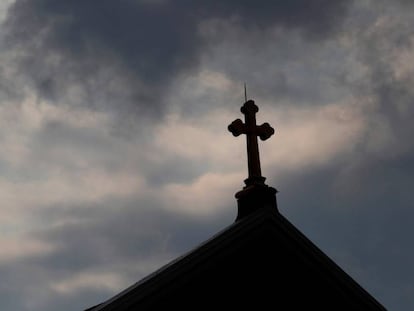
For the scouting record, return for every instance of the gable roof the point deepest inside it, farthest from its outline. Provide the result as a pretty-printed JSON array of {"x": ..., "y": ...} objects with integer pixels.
[{"x": 266, "y": 244}]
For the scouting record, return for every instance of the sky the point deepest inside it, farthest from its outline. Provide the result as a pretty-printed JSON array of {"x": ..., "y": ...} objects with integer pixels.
[{"x": 115, "y": 156}]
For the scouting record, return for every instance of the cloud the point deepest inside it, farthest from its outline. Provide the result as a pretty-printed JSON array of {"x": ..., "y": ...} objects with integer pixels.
[
  {"x": 314, "y": 18},
  {"x": 15, "y": 248},
  {"x": 114, "y": 247},
  {"x": 310, "y": 137},
  {"x": 123, "y": 55},
  {"x": 386, "y": 46}
]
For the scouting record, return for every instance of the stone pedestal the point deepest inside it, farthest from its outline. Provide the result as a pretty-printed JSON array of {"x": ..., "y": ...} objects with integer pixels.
[{"x": 254, "y": 197}]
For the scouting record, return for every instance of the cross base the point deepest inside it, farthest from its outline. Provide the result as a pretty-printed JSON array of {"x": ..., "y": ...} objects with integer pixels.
[
  {"x": 255, "y": 180},
  {"x": 255, "y": 197}
]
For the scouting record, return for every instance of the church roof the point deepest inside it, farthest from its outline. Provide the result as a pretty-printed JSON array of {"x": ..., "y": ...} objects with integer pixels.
[{"x": 266, "y": 226}]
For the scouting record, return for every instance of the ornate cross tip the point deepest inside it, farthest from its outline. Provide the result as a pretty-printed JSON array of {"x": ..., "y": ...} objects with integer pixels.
[
  {"x": 249, "y": 107},
  {"x": 237, "y": 127},
  {"x": 265, "y": 131}
]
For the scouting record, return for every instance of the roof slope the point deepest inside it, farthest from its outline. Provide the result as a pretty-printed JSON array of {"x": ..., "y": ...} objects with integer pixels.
[{"x": 258, "y": 261}]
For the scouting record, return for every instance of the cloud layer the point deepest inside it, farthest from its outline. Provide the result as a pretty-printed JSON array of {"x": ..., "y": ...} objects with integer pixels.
[
  {"x": 125, "y": 55},
  {"x": 115, "y": 155}
]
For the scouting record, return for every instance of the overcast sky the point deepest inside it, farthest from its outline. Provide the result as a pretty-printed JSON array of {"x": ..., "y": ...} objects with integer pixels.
[{"x": 115, "y": 155}]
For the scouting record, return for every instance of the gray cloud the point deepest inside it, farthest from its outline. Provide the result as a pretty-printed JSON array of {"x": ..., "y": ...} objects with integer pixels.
[
  {"x": 129, "y": 238},
  {"x": 317, "y": 18},
  {"x": 124, "y": 54},
  {"x": 29, "y": 275}
]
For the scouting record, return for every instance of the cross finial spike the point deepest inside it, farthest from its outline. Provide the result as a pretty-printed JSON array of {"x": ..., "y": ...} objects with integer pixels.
[{"x": 245, "y": 92}]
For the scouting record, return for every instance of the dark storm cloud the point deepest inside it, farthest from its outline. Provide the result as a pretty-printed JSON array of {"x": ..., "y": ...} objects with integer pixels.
[
  {"x": 114, "y": 52},
  {"x": 316, "y": 18},
  {"x": 123, "y": 54}
]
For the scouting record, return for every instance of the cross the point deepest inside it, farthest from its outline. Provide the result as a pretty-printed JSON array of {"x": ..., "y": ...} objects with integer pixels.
[{"x": 264, "y": 131}]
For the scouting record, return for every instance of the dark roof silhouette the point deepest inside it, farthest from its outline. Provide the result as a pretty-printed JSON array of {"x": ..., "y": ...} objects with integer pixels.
[{"x": 261, "y": 261}]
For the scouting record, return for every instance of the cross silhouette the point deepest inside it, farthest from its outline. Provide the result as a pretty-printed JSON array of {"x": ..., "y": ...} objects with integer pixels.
[{"x": 264, "y": 131}]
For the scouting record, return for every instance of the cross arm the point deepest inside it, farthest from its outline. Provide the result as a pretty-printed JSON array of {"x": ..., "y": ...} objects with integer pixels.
[
  {"x": 237, "y": 127},
  {"x": 264, "y": 131}
]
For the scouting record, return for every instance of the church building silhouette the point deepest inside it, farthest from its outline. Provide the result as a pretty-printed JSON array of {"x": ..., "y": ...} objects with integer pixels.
[{"x": 260, "y": 262}]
